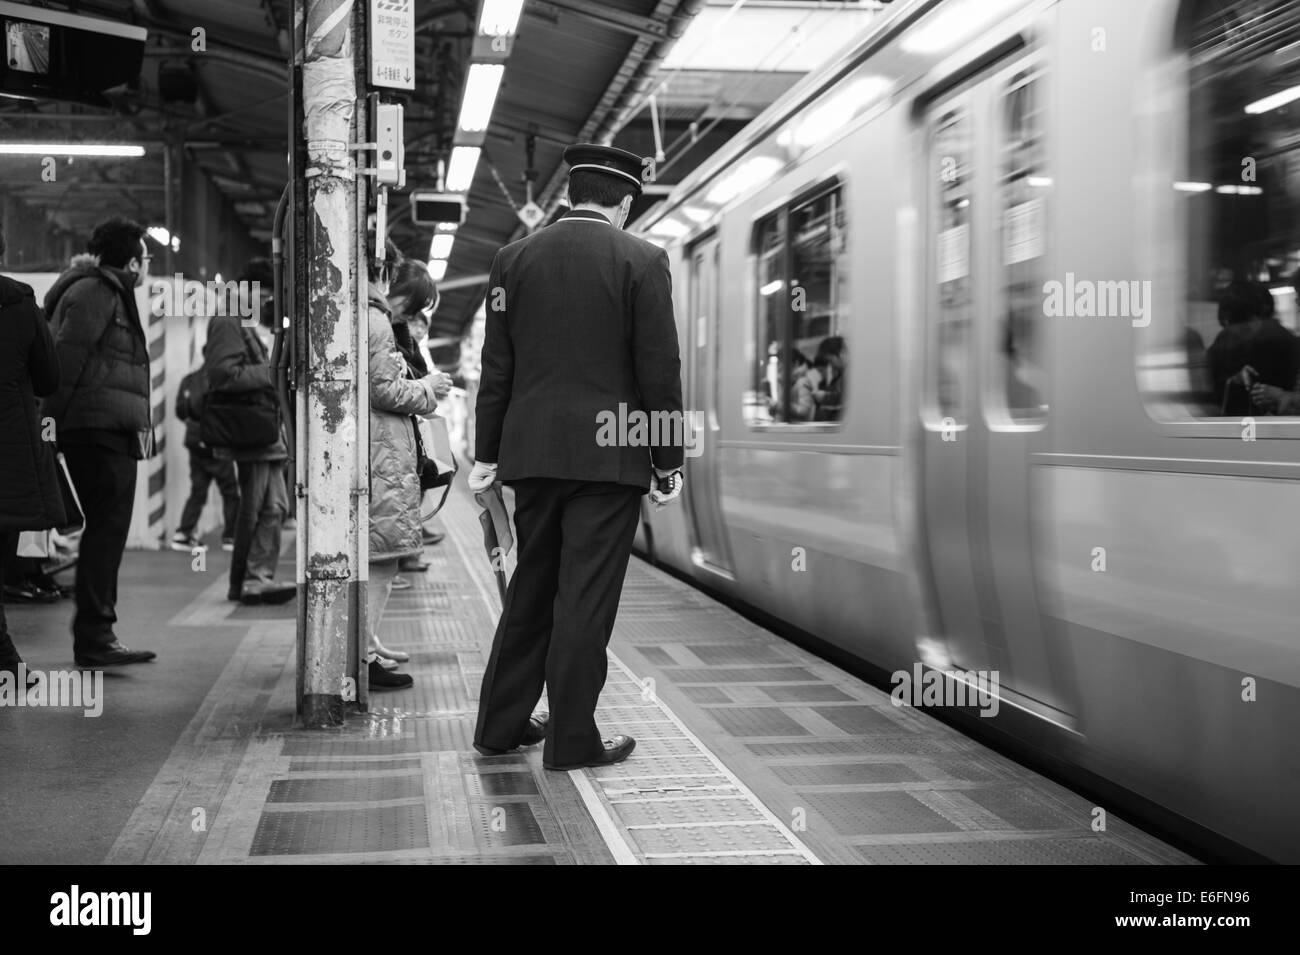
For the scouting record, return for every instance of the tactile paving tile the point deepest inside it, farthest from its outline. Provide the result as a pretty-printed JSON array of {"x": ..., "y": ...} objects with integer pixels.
[
  {"x": 861, "y": 720},
  {"x": 714, "y": 654},
  {"x": 880, "y": 745},
  {"x": 501, "y": 784},
  {"x": 318, "y": 831},
  {"x": 811, "y": 693},
  {"x": 846, "y": 774},
  {"x": 697, "y": 840},
  {"x": 509, "y": 824},
  {"x": 742, "y": 721},
  {"x": 346, "y": 789},
  {"x": 1082, "y": 851},
  {"x": 670, "y": 766},
  {"x": 659, "y": 812},
  {"x": 351, "y": 765},
  {"x": 677, "y": 629},
  {"x": 965, "y": 770},
  {"x": 747, "y": 859},
  {"x": 1025, "y": 809},
  {"x": 875, "y": 813},
  {"x": 743, "y": 675}
]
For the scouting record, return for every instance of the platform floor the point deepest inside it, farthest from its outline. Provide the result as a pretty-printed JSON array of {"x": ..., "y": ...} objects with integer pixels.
[{"x": 749, "y": 750}]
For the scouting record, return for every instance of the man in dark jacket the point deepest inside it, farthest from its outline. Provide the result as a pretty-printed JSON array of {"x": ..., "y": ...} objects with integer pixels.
[
  {"x": 237, "y": 362},
  {"x": 29, "y": 488},
  {"x": 205, "y": 467},
  {"x": 579, "y": 287},
  {"x": 101, "y": 413}
]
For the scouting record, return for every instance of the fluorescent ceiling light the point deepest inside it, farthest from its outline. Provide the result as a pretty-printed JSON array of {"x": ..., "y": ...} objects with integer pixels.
[
  {"x": 1239, "y": 190},
  {"x": 669, "y": 228},
  {"x": 949, "y": 26},
  {"x": 1192, "y": 186},
  {"x": 1284, "y": 290},
  {"x": 500, "y": 17},
  {"x": 1274, "y": 101},
  {"x": 440, "y": 247},
  {"x": 438, "y": 269},
  {"x": 1040, "y": 182},
  {"x": 447, "y": 226},
  {"x": 460, "y": 171},
  {"x": 480, "y": 93},
  {"x": 71, "y": 149},
  {"x": 771, "y": 287},
  {"x": 696, "y": 214},
  {"x": 837, "y": 111},
  {"x": 749, "y": 175}
]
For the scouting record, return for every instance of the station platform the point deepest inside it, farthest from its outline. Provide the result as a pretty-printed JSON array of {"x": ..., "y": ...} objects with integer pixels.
[{"x": 749, "y": 749}]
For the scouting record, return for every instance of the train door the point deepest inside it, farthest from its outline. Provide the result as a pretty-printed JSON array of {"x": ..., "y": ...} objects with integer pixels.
[
  {"x": 985, "y": 392},
  {"x": 708, "y": 536}
]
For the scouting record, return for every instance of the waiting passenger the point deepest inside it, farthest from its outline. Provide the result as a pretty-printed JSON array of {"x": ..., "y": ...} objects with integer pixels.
[
  {"x": 29, "y": 489},
  {"x": 237, "y": 363},
  {"x": 1253, "y": 349},
  {"x": 818, "y": 394},
  {"x": 102, "y": 419},
  {"x": 394, "y": 484},
  {"x": 205, "y": 467}
]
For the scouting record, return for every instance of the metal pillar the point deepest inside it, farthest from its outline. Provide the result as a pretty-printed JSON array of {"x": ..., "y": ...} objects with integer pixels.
[{"x": 333, "y": 511}]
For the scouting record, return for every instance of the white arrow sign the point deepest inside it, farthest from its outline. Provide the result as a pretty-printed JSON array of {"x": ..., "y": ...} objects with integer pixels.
[{"x": 392, "y": 44}]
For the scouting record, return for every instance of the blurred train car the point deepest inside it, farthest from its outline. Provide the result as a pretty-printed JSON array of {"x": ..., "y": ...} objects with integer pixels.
[{"x": 1022, "y": 478}]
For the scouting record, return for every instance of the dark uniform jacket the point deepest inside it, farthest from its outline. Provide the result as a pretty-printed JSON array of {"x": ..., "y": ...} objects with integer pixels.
[
  {"x": 579, "y": 322},
  {"x": 103, "y": 357},
  {"x": 29, "y": 488}
]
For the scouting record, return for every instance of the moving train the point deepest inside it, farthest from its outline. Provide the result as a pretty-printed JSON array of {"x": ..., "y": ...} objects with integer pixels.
[{"x": 1012, "y": 222}]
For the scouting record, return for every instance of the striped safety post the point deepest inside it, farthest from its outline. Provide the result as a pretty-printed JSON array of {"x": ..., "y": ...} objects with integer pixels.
[{"x": 156, "y": 502}]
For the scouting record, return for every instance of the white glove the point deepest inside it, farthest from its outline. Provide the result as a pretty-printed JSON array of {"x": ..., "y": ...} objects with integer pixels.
[
  {"x": 482, "y": 477},
  {"x": 675, "y": 481}
]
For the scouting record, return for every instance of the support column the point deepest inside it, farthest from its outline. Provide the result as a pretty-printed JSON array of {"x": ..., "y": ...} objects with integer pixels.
[{"x": 333, "y": 511}]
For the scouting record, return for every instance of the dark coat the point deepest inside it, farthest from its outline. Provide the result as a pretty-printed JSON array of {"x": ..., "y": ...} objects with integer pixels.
[
  {"x": 29, "y": 368},
  {"x": 236, "y": 361},
  {"x": 582, "y": 323},
  {"x": 103, "y": 352}
]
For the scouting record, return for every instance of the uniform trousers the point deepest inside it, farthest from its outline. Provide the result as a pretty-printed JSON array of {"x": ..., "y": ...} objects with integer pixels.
[{"x": 574, "y": 541}]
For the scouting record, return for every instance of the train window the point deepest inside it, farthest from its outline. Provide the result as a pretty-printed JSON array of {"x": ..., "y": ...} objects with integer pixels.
[
  {"x": 1022, "y": 183},
  {"x": 948, "y": 368},
  {"x": 802, "y": 277},
  {"x": 1237, "y": 353}
]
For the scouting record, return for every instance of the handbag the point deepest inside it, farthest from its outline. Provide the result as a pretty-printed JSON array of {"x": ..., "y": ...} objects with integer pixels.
[
  {"x": 434, "y": 461},
  {"x": 240, "y": 419}
]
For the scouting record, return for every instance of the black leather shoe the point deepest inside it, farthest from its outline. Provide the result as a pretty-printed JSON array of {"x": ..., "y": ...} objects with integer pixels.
[
  {"x": 381, "y": 679},
  {"x": 615, "y": 750},
  {"x": 113, "y": 655},
  {"x": 536, "y": 731},
  {"x": 273, "y": 593}
]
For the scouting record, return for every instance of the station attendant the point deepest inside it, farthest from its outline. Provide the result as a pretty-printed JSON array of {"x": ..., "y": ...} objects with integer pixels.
[{"x": 579, "y": 322}]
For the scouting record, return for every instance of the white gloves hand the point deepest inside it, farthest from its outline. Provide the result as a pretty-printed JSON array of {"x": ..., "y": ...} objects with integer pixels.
[
  {"x": 482, "y": 477},
  {"x": 667, "y": 486}
]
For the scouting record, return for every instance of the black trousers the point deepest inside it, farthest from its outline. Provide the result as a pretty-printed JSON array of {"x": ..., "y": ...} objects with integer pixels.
[
  {"x": 105, "y": 483},
  {"x": 203, "y": 471},
  {"x": 574, "y": 540},
  {"x": 262, "y": 506}
]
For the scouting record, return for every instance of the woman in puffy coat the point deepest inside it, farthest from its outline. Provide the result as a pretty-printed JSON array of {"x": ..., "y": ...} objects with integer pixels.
[{"x": 400, "y": 286}]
